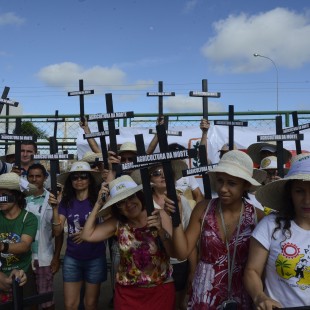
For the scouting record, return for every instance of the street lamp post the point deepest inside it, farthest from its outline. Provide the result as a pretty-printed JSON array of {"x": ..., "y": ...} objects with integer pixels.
[{"x": 258, "y": 55}]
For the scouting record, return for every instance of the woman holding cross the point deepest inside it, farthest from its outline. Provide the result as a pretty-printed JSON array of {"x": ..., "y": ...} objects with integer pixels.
[
  {"x": 143, "y": 280},
  {"x": 222, "y": 227}
]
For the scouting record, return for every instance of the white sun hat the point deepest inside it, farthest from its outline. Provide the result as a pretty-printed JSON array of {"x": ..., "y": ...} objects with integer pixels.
[
  {"x": 270, "y": 162},
  {"x": 12, "y": 181},
  {"x": 120, "y": 188},
  {"x": 80, "y": 166},
  {"x": 128, "y": 147},
  {"x": 90, "y": 157},
  {"x": 254, "y": 151},
  {"x": 235, "y": 163},
  {"x": 10, "y": 151},
  {"x": 272, "y": 195}
]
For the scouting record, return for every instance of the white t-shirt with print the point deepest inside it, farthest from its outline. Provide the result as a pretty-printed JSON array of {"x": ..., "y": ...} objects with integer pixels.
[{"x": 287, "y": 274}]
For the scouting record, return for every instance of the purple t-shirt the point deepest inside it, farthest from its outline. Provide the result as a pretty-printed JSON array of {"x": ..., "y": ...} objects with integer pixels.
[{"x": 76, "y": 216}]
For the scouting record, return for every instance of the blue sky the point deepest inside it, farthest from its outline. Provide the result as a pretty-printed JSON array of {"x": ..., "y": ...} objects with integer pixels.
[{"x": 125, "y": 47}]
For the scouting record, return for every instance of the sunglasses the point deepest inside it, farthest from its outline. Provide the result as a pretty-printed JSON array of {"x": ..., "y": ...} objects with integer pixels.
[
  {"x": 124, "y": 201},
  {"x": 82, "y": 176},
  {"x": 157, "y": 173}
]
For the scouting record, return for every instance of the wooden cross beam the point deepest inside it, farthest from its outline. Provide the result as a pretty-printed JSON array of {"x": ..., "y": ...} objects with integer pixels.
[
  {"x": 81, "y": 92},
  {"x": 55, "y": 120},
  {"x": 279, "y": 137},
  {"x": 296, "y": 130},
  {"x": 54, "y": 162},
  {"x": 231, "y": 123},
  {"x": 5, "y": 100},
  {"x": 110, "y": 116},
  {"x": 205, "y": 94},
  {"x": 161, "y": 94}
]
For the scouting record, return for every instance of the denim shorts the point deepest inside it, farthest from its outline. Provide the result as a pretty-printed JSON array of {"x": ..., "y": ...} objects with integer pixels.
[{"x": 92, "y": 271}]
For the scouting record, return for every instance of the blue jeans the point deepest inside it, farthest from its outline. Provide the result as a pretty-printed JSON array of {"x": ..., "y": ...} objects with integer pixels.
[{"x": 93, "y": 271}]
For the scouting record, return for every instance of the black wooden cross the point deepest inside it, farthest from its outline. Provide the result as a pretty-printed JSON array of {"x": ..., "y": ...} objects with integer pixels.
[
  {"x": 161, "y": 94},
  {"x": 296, "y": 130},
  {"x": 110, "y": 116},
  {"x": 231, "y": 123},
  {"x": 205, "y": 94},
  {"x": 54, "y": 162},
  {"x": 18, "y": 302},
  {"x": 81, "y": 92},
  {"x": 279, "y": 137},
  {"x": 164, "y": 157},
  {"x": 18, "y": 138},
  {"x": 56, "y": 120},
  {"x": 5, "y": 100}
]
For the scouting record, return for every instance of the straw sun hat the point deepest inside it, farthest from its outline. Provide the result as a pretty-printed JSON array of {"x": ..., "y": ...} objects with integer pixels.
[
  {"x": 272, "y": 194},
  {"x": 120, "y": 188},
  {"x": 235, "y": 163},
  {"x": 270, "y": 162},
  {"x": 254, "y": 151},
  {"x": 10, "y": 151},
  {"x": 12, "y": 181},
  {"x": 90, "y": 157},
  {"x": 80, "y": 166},
  {"x": 127, "y": 147}
]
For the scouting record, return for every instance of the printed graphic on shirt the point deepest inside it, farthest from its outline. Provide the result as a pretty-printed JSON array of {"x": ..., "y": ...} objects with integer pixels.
[
  {"x": 9, "y": 259},
  {"x": 294, "y": 262}
]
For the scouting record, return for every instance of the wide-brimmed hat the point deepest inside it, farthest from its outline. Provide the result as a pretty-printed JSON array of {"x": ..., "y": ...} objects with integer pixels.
[
  {"x": 259, "y": 175},
  {"x": 128, "y": 147},
  {"x": 80, "y": 166},
  {"x": 12, "y": 181},
  {"x": 270, "y": 162},
  {"x": 10, "y": 151},
  {"x": 235, "y": 163},
  {"x": 272, "y": 195},
  {"x": 225, "y": 147},
  {"x": 120, "y": 188},
  {"x": 90, "y": 157},
  {"x": 254, "y": 151}
]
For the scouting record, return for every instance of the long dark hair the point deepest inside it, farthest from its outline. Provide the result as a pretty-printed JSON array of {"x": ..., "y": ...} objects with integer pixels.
[
  {"x": 69, "y": 193},
  {"x": 116, "y": 212},
  {"x": 19, "y": 198},
  {"x": 286, "y": 213}
]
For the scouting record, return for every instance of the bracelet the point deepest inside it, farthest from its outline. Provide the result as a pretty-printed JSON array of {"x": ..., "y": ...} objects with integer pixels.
[
  {"x": 5, "y": 247},
  {"x": 56, "y": 224}
]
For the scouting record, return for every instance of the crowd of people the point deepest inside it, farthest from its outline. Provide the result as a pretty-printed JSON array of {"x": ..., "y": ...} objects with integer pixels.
[{"x": 246, "y": 248}]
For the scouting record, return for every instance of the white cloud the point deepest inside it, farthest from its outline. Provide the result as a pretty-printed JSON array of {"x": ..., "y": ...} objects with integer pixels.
[
  {"x": 190, "y": 5},
  {"x": 184, "y": 104},
  {"x": 280, "y": 34},
  {"x": 10, "y": 18}
]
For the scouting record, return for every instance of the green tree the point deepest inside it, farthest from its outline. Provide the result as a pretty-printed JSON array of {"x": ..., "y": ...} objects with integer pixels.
[{"x": 29, "y": 129}]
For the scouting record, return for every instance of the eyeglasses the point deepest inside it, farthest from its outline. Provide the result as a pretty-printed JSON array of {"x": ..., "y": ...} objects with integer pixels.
[
  {"x": 157, "y": 173},
  {"x": 124, "y": 201},
  {"x": 82, "y": 176}
]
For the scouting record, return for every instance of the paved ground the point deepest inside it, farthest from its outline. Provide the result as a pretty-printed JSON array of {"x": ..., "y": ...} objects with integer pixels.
[{"x": 105, "y": 294}]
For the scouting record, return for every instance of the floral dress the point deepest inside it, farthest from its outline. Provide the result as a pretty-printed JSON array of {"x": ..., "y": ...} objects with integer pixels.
[
  {"x": 210, "y": 282},
  {"x": 143, "y": 260}
]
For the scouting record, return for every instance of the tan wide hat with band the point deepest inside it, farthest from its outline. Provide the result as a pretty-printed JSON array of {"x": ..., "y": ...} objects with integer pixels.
[
  {"x": 90, "y": 157},
  {"x": 12, "y": 181},
  {"x": 272, "y": 195},
  {"x": 10, "y": 151},
  {"x": 120, "y": 188},
  {"x": 254, "y": 151},
  {"x": 80, "y": 166},
  {"x": 127, "y": 147},
  {"x": 235, "y": 163}
]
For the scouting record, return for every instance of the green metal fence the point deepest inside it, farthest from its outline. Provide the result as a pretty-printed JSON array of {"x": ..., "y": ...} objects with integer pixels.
[{"x": 67, "y": 130}]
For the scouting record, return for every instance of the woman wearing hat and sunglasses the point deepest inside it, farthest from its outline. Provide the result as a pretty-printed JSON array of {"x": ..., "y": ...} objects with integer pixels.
[
  {"x": 222, "y": 227},
  {"x": 83, "y": 261},
  {"x": 143, "y": 280},
  {"x": 278, "y": 268}
]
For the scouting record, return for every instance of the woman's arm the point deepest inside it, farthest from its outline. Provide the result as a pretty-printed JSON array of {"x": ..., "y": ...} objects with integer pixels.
[
  {"x": 253, "y": 282},
  {"x": 184, "y": 242},
  {"x": 93, "y": 232}
]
